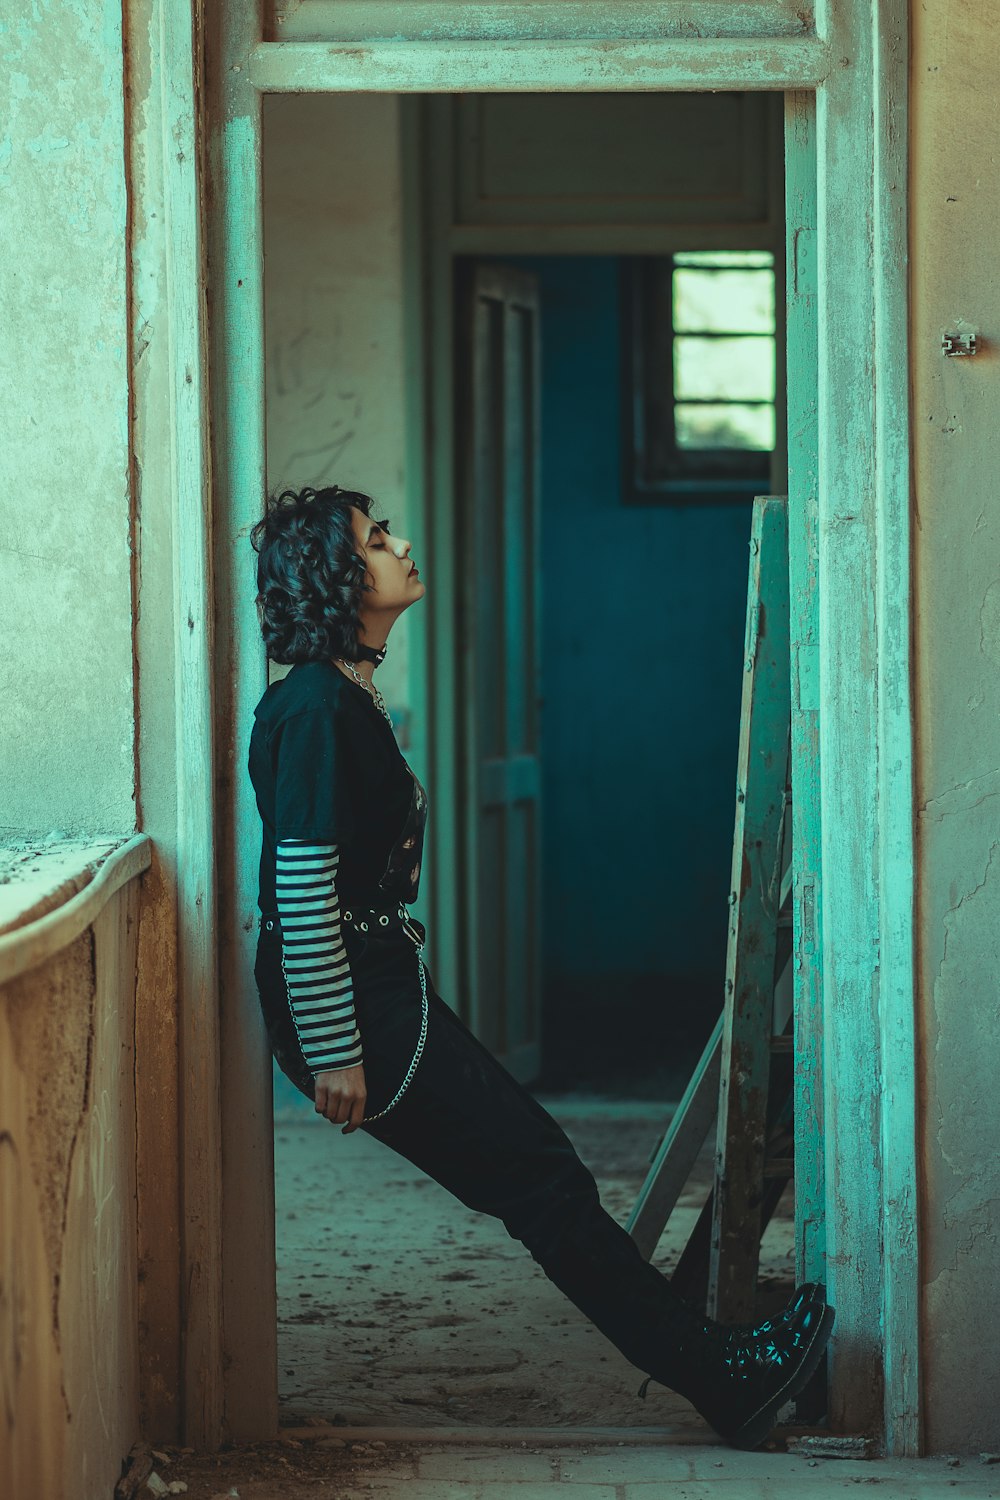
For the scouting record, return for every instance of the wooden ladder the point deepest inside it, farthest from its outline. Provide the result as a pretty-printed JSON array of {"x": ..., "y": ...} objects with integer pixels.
[{"x": 744, "y": 1080}]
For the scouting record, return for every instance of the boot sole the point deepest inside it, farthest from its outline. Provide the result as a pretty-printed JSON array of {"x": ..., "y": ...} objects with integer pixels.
[{"x": 751, "y": 1433}]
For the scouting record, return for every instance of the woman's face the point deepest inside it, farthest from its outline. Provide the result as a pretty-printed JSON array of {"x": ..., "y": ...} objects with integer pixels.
[{"x": 390, "y": 568}]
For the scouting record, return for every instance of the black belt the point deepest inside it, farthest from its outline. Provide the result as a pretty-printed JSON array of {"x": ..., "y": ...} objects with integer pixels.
[{"x": 370, "y": 922}]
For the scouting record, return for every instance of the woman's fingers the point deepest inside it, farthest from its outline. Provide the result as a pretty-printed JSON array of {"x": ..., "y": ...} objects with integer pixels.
[
  {"x": 328, "y": 1100},
  {"x": 343, "y": 1108},
  {"x": 341, "y": 1097},
  {"x": 339, "y": 1108}
]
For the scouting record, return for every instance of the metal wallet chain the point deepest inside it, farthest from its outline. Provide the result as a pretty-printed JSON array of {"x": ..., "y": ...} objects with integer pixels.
[{"x": 421, "y": 1039}]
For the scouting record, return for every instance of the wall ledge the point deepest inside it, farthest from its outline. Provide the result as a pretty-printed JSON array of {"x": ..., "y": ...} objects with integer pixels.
[{"x": 52, "y": 891}]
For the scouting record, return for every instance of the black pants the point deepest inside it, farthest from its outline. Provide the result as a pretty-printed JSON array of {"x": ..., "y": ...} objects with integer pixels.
[{"x": 471, "y": 1126}]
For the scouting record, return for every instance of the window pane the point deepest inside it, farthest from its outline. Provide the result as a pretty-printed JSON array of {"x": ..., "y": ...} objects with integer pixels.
[
  {"x": 724, "y": 426},
  {"x": 723, "y": 301},
  {"x": 721, "y": 368},
  {"x": 747, "y": 258}
]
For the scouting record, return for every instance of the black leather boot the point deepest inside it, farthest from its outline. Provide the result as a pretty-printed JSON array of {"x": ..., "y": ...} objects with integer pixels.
[{"x": 738, "y": 1377}]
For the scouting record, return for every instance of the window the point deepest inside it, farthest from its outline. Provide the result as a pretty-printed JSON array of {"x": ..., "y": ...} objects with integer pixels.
[{"x": 699, "y": 374}]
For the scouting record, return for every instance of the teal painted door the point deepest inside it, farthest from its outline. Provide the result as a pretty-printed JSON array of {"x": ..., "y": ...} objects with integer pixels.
[{"x": 498, "y": 643}]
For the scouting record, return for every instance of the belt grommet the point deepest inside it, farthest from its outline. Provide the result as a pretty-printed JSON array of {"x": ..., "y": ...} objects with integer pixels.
[
  {"x": 383, "y": 920},
  {"x": 364, "y": 926},
  {"x": 269, "y": 925},
  {"x": 347, "y": 916}
]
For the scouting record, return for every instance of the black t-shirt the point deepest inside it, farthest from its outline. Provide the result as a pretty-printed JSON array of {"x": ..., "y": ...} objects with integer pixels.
[{"x": 325, "y": 765}]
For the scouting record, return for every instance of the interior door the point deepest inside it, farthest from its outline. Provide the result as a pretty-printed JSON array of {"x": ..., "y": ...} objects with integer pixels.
[{"x": 498, "y": 641}]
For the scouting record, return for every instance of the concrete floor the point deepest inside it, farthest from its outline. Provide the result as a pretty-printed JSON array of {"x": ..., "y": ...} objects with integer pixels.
[
  {"x": 398, "y": 1306},
  {"x": 424, "y": 1356},
  {"x": 315, "y": 1466}
]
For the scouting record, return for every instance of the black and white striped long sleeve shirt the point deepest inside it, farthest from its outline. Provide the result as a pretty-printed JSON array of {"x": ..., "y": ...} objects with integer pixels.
[{"x": 317, "y": 971}]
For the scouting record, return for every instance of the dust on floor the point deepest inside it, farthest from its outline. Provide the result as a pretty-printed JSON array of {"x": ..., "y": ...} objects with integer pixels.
[{"x": 398, "y": 1306}]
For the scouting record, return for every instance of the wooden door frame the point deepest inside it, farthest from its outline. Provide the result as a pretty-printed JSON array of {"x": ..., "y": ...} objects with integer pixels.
[{"x": 851, "y": 75}]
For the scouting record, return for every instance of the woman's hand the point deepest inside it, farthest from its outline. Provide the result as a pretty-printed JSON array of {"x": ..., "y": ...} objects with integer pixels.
[{"x": 340, "y": 1096}]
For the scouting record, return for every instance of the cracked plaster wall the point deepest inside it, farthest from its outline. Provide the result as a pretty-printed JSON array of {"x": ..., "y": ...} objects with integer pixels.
[
  {"x": 66, "y": 670},
  {"x": 955, "y": 209}
]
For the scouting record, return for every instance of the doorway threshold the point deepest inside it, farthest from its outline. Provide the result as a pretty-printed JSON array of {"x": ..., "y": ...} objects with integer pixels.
[
  {"x": 807, "y": 1441},
  {"x": 553, "y": 1437}
]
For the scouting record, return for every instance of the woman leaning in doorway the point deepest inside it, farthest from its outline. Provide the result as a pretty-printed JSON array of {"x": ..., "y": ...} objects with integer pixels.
[{"x": 351, "y": 1010}]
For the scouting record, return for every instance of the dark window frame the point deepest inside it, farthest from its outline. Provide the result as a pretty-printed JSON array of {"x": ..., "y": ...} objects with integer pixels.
[{"x": 655, "y": 470}]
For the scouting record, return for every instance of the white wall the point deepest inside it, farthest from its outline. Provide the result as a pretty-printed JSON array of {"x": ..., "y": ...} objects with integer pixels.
[
  {"x": 66, "y": 751},
  {"x": 955, "y": 207}
]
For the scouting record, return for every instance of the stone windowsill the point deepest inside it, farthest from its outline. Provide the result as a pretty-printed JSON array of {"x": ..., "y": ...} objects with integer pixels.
[{"x": 52, "y": 888}]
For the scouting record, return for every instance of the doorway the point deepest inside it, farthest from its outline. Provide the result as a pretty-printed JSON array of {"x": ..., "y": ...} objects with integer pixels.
[
  {"x": 543, "y": 393},
  {"x": 846, "y": 441},
  {"x": 651, "y": 442}
]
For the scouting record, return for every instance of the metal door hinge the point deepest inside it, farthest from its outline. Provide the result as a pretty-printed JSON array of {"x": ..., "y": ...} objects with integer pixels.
[{"x": 957, "y": 345}]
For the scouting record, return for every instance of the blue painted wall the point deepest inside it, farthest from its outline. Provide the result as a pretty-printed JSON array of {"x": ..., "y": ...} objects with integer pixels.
[{"x": 643, "y": 623}]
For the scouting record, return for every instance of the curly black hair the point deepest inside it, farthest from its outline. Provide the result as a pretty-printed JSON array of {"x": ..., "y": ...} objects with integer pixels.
[{"x": 310, "y": 575}]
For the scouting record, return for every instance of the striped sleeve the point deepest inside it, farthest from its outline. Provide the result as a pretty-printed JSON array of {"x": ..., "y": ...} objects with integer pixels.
[{"x": 317, "y": 972}]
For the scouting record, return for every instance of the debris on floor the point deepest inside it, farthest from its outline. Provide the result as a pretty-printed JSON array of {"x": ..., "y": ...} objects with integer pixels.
[{"x": 400, "y": 1307}]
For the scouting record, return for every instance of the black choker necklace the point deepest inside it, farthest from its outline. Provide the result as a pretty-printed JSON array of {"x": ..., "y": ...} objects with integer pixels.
[{"x": 369, "y": 653}]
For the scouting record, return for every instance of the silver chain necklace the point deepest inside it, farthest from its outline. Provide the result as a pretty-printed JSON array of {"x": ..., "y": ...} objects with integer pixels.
[{"x": 369, "y": 688}]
